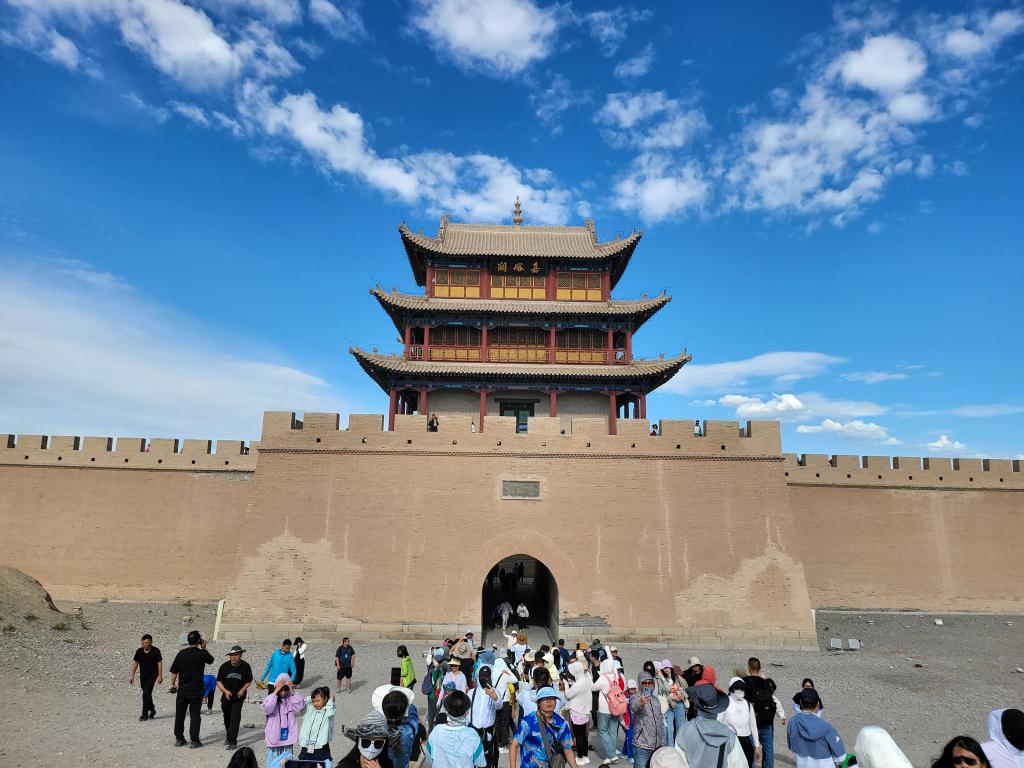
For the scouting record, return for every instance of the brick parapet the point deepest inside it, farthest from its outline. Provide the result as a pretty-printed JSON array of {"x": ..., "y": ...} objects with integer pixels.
[
  {"x": 318, "y": 432},
  {"x": 912, "y": 472},
  {"x": 127, "y": 453}
]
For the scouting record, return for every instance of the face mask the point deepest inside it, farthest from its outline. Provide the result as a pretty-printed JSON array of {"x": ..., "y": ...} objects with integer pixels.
[{"x": 369, "y": 748}]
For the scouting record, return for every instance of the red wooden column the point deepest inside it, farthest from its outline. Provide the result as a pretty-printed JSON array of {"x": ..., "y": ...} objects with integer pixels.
[
  {"x": 430, "y": 280},
  {"x": 551, "y": 344},
  {"x": 408, "y": 339},
  {"x": 392, "y": 407},
  {"x": 643, "y": 406},
  {"x": 606, "y": 285},
  {"x": 485, "y": 281},
  {"x": 426, "y": 341},
  {"x": 483, "y": 410},
  {"x": 629, "y": 346},
  {"x": 483, "y": 343},
  {"x": 610, "y": 354},
  {"x": 549, "y": 283},
  {"x": 554, "y": 402},
  {"x": 423, "y": 401},
  {"x": 612, "y": 412}
]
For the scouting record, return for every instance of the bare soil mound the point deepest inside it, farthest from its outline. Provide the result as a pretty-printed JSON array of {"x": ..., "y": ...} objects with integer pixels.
[{"x": 21, "y": 596}]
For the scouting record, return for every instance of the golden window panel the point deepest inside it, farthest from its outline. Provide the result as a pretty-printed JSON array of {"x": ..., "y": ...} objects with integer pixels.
[
  {"x": 529, "y": 287},
  {"x": 578, "y": 286},
  {"x": 457, "y": 283}
]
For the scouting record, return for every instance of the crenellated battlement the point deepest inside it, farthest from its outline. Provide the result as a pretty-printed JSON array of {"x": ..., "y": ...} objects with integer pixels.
[
  {"x": 904, "y": 471},
  {"x": 283, "y": 430},
  {"x": 127, "y": 453}
]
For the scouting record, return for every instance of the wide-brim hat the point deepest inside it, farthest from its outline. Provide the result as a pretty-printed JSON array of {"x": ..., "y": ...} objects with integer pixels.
[
  {"x": 377, "y": 698},
  {"x": 547, "y": 692},
  {"x": 708, "y": 699},
  {"x": 236, "y": 649},
  {"x": 692, "y": 661},
  {"x": 373, "y": 726},
  {"x": 454, "y": 662}
]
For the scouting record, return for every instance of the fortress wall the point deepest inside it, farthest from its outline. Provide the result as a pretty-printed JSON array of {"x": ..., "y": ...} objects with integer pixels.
[
  {"x": 906, "y": 532},
  {"x": 125, "y": 534},
  {"x": 361, "y": 519}
]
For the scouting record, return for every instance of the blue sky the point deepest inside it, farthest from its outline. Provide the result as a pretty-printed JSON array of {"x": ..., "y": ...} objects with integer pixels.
[{"x": 195, "y": 198}]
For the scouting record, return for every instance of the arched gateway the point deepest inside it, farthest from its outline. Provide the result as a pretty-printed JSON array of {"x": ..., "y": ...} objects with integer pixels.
[{"x": 525, "y": 579}]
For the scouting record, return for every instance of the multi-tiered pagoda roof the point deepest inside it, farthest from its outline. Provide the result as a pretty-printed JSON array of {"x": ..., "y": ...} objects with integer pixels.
[{"x": 513, "y": 313}]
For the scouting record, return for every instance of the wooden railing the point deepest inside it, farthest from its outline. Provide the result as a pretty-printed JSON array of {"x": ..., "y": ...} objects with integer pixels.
[
  {"x": 455, "y": 353},
  {"x": 522, "y": 354}
]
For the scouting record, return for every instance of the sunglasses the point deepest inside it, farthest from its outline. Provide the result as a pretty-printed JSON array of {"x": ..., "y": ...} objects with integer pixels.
[
  {"x": 366, "y": 743},
  {"x": 968, "y": 761}
]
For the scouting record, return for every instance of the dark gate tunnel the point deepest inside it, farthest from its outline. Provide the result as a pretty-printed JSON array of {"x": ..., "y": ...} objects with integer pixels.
[{"x": 536, "y": 588}]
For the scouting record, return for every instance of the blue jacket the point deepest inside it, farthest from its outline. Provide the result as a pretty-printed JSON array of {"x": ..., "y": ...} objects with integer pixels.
[
  {"x": 279, "y": 661},
  {"x": 810, "y": 736},
  {"x": 407, "y": 729},
  {"x": 209, "y": 684}
]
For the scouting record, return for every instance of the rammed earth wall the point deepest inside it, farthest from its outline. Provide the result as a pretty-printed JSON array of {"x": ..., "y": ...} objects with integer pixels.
[{"x": 718, "y": 540}]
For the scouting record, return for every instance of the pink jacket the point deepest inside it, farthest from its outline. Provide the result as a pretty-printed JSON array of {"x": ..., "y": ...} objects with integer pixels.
[{"x": 281, "y": 714}]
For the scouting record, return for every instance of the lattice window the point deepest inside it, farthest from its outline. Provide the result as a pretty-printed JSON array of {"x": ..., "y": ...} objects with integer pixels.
[
  {"x": 457, "y": 283},
  {"x": 578, "y": 286},
  {"x": 518, "y": 287}
]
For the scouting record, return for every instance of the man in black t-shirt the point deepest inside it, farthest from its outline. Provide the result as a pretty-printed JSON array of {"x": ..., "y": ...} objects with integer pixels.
[
  {"x": 150, "y": 665},
  {"x": 233, "y": 680},
  {"x": 344, "y": 660},
  {"x": 187, "y": 673}
]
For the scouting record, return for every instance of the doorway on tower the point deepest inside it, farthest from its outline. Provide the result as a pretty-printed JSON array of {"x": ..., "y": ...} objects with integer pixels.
[
  {"x": 520, "y": 579},
  {"x": 521, "y": 410}
]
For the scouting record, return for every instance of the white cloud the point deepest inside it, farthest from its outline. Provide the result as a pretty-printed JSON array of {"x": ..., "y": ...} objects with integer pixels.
[
  {"x": 476, "y": 187},
  {"x": 656, "y": 187},
  {"x": 33, "y": 35},
  {"x": 957, "y": 168},
  {"x": 970, "y": 38},
  {"x": 974, "y": 121},
  {"x": 649, "y": 120},
  {"x": 190, "y": 112},
  {"x": 81, "y": 353},
  {"x": 925, "y": 166},
  {"x": 874, "y": 377},
  {"x": 341, "y": 20},
  {"x": 798, "y": 407},
  {"x": 911, "y": 108},
  {"x": 610, "y": 26},
  {"x": 888, "y": 64},
  {"x": 638, "y": 66},
  {"x": 702, "y": 403},
  {"x": 985, "y": 411},
  {"x": 275, "y": 11},
  {"x": 501, "y": 37},
  {"x": 855, "y": 428},
  {"x": 771, "y": 368},
  {"x": 179, "y": 40},
  {"x": 945, "y": 444},
  {"x": 550, "y": 103},
  {"x": 876, "y": 227}
]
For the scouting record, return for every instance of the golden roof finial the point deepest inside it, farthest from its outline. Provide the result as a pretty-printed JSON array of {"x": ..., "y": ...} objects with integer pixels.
[{"x": 517, "y": 213}]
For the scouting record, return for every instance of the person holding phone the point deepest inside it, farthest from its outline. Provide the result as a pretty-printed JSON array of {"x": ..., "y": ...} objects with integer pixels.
[
  {"x": 280, "y": 732},
  {"x": 187, "y": 680},
  {"x": 482, "y": 713}
]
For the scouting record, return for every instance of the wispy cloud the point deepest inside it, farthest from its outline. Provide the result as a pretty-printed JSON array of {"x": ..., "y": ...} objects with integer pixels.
[
  {"x": 768, "y": 370},
  {"x": 855, "y": 429},
  {"x": 638, "y": 66},
  {"x": 944, "y": 443},
  {"x": 875, "y": 377},
  {"x": 83, "y": 353}
]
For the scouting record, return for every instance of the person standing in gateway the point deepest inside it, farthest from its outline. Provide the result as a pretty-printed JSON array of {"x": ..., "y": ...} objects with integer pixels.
[
  {"x": 187, "y": 675},
  {"x": 150, "y": 665},
  {"x": 344, "y": 660}
]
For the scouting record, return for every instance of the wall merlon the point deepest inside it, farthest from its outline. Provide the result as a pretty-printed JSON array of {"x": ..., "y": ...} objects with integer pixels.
[
  {"x": 907, "y": 463},
  {"x": 32, "y": 442},
  {"x": 6, "y": 440},
  {"x": 197, "y": 448},
  {"x": 678, "y": 429},
  {"x": 967, "y": 465},
  {"x": 229, "y": 448},
  {"x": 366, "y": 422},
  {"x": 816, "y": 460},
  {"x": 997, "y": 465},
  {"x": 323, "y": 422},
  {"x": 130, "y": 444},
  {"x": 878, "y": 463},
  {"x": 97, "y": 444},
  {"x": 276, "y": 423},
  {"x": 64, "y": 443},
  {"x": 721, "y": 430},
  {"x": 634, "y": 428},
  {"x": 163, "y": 446},
  {"x": 844, "y": 461},
  {"x": 932, "y": 464}
]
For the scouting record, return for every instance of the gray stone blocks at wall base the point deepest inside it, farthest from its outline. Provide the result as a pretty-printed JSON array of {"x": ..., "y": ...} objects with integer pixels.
[{"x": 703, "y": 638}]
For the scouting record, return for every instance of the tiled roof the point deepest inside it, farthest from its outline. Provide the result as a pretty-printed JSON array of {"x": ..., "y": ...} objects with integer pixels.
[
  {"x": 656, "y": 371},
  {"x": 395, "y": 302},
  {"x": 455, "y": 239}
]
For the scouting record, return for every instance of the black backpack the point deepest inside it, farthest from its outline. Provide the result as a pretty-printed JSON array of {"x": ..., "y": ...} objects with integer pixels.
[{"x": 762, "y": 701}]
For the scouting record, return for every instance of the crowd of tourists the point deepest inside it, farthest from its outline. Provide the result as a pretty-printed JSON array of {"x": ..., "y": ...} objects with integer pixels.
[{"x": 542, "y": 707}]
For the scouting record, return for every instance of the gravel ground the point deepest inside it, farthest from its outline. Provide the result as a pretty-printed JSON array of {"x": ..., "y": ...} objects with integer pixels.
[{"x": 69, "y": 687}]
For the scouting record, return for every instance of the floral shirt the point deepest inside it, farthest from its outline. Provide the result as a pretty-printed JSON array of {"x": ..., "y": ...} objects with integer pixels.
[{"x": 531, "y": 742}]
